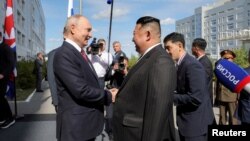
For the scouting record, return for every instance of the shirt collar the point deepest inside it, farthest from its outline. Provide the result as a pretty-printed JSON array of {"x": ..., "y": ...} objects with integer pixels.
[
  {"x": 181, "y": 58},
  {"x": 150, "y": 48},
  {"x": 200, "y": 57},
  {"x": 73, "y": 44}
]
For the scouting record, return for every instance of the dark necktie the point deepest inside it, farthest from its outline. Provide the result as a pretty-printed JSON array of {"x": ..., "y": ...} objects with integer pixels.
[{"x": 84, "y": 55}]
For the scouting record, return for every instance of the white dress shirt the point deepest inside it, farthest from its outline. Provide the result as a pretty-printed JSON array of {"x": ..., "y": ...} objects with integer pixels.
[{"x": 101, "y": 62}]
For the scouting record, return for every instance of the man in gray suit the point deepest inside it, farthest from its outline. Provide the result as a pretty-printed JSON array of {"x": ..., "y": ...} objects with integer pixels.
[
  {"x": 143, "y": 109},
  {"x": 194, "y": 109},
  {"x": 51, "y": 78}
]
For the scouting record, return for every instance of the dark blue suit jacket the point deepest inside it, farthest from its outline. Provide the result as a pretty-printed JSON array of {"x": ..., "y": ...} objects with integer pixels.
[
  {"x": 243, "y": 110},
  {"x": 194, "y": 109},
  {"x": 81, "y": 100}
]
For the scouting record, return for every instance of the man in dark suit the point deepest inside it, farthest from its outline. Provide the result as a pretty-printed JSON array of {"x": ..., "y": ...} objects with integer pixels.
[
  {"x": 7, "y": 62},
  {"x": 39, "y": 68},
  {"x": 80, "y": 115},
  {"x": 243, "y": 109},
  {"x": 143, "y": 109},
  {"x": 198, "y": 50},
  {"x": 194, "y": 109}
]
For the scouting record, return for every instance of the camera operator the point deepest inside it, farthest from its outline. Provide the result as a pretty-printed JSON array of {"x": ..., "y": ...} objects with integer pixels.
[
  {"x": 121, "y": 70},
  {"x": 118, "y": 65},
  {"x": 100, "y": 59}
]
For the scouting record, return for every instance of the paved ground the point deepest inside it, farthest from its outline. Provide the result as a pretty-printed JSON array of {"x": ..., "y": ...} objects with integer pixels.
[{"x": 36, "y": 120}]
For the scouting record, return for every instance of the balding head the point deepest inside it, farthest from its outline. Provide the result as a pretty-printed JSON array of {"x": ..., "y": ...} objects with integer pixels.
[{"x": 78, "y": 29}]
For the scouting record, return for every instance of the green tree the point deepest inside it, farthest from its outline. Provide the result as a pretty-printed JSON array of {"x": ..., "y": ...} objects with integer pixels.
[
  {"x": 241, "y": 57},
  {"x": 25, "y": 78},
  {"x": 132, "y": 61}
]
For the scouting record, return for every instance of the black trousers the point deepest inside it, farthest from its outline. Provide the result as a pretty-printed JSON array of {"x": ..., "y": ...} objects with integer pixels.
[
  {"x": 39, "y": 81},
  {"x": 109, "y": 119},
  {"x": 5, "y": 111}
]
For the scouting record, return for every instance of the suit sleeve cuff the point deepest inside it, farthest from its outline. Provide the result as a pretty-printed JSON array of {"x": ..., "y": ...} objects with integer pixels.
[{"x": 107, "y": 98}]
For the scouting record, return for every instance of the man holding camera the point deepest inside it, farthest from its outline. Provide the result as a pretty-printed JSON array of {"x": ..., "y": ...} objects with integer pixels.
[
  {"x": 119, "y": 71},
  {"x": 119, "y": 65},
  {"x": 100, "y": 59}
]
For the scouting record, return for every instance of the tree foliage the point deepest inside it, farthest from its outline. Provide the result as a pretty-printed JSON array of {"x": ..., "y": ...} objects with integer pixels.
[
  {"x": 241, "y": 57},
  {"x": 132, "y": 61}
]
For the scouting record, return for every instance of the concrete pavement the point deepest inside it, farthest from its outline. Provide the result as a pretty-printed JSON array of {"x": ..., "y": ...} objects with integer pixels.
[{"x": 36, "y": 120}]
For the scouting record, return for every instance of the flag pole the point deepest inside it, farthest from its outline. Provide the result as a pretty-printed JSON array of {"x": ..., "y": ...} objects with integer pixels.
[
  {"x": 80, "y": 7},
  {"x": 110, "y": 24},
  {"x": 10, "y": 40}
]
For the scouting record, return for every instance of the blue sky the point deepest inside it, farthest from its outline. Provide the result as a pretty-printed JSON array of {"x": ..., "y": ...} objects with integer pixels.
[{"x": 125, "y": 15}]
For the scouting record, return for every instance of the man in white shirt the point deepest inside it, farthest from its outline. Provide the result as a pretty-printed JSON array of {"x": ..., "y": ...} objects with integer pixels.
[{"x": 101, "y": 61}]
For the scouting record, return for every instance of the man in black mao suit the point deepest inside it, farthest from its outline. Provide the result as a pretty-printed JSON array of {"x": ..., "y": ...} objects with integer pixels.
[
  {"x": 198, "y": 50},
  {"x": 80, "y": 115},
  {"x": 143, "y": 109},
  {"x": 7, "y": 62},
  {"x": 194, "y": 109}
]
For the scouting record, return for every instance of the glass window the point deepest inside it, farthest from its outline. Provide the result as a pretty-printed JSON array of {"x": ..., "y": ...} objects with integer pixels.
[
  {"x": 213, "y": 29},
  {"x": 230, "y": 26},
  {"x": 213, "y": 22},
  {"x": 230, "y": 18},
  {"x": 230, "y": 43},
  {"x": 213, "y": 37}
]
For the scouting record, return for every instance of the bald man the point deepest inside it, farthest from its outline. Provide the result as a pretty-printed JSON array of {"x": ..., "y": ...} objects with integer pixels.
[{"x": 80, "y": 98}]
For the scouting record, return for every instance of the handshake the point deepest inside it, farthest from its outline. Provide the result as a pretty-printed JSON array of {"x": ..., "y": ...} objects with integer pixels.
[{"x": 113, "y": 92}]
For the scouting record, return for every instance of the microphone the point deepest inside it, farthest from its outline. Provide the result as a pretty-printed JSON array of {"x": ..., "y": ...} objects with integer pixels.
[{"x": 232, "y": 76}]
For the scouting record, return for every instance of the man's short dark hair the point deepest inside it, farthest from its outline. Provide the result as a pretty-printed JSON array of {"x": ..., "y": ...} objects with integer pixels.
[
  {"x": 200, "y": 43},
  {"x": 147, "y": 20},
  {"x": 175, "y": 37}
]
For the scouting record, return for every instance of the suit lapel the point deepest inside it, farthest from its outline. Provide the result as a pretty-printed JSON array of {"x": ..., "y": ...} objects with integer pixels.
[
  {"x": 182, "y": 63},
  {"x": 89, "y": 64}
]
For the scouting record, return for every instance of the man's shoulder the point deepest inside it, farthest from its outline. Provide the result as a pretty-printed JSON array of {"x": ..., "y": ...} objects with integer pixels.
[
  {"x": 248, "y": 69},
  {"x": 52, "y": 52},
  {"x": 189, "y": 60},
  {"x": 4, "y": 46}
]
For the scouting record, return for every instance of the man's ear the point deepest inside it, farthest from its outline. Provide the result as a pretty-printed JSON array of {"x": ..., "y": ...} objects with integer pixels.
[
  {"x": 180, "y": 45},
  {"x": 148, "y": 35}
]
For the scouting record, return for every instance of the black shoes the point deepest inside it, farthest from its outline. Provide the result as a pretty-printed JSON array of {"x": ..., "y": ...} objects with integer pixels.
[
  {"x": 39, "y": 90},
  {"x": 7, "y": 123},
  {"x": 2, "y": 121}
]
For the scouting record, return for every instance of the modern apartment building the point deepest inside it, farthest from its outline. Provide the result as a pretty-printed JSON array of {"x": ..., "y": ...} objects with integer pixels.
[
  {"x": 29, "y": 24},
  {"x": 224, "y": 24}
]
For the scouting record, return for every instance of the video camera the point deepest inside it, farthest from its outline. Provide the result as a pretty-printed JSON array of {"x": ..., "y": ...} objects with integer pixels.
[
  {"x": 93, "y": 48},
  {"x": 121, "y": 62}
]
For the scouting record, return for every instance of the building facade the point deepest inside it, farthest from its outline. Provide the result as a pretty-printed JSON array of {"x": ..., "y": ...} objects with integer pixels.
[
  {"x": 29, "y": 24},
  {"x": 224, "y": 24}
]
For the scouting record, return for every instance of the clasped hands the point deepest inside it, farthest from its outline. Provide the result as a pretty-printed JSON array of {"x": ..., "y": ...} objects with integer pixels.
[{"x": 113, "y": 91}]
